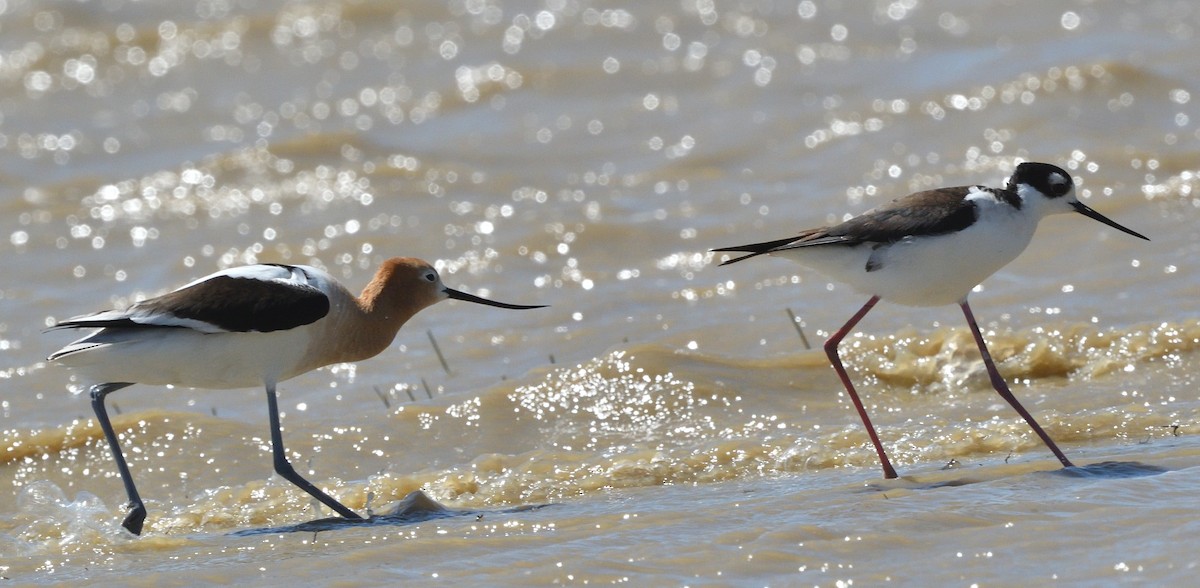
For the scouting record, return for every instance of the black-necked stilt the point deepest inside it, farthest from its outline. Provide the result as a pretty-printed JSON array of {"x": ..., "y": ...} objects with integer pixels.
[
  {"x": 248, "y": 326},
  {"x": 932, "y": 248}
]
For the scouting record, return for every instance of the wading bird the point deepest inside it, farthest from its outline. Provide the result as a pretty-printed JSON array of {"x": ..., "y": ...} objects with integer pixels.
[
  {"x": 249, "y": 326},
  {"x": 932, "y": 248}
]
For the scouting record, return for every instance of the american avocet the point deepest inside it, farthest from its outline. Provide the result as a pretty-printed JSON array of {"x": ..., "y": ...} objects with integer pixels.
[
  {"x": 249, "y": 326},
  {"x": 932, "y": 248}
]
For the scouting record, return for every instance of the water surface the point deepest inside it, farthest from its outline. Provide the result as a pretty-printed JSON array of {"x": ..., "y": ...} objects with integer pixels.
[{"x": 588, "y": 156}]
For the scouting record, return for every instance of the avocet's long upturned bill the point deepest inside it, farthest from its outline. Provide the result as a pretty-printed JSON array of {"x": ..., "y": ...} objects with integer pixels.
[
  {"x": 931, "y": 248},
  {"x": 248, "y": 326}
]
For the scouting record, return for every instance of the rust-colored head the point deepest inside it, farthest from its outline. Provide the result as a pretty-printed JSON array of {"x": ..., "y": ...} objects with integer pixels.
[{"x": 405, "y": 285}]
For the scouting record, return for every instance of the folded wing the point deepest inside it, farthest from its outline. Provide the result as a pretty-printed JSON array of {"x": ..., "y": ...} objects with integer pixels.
[{"x": 261, "y": 298}]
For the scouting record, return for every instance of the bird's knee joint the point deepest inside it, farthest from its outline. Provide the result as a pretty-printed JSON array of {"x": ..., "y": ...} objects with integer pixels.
[{"x": 284, "y": 467}]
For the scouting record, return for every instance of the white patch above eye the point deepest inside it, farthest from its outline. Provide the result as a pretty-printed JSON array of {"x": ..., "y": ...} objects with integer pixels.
[{"x": 1057, "y": 178}]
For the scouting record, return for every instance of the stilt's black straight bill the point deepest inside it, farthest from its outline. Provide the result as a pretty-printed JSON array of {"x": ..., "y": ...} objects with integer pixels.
[
  {"x": 457, "y": 295},
  {"x": 1083, "y": 209}
]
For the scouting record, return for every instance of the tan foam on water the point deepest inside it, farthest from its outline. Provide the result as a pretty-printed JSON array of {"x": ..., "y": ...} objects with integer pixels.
[
  {"x": 949, "y": 357},
  {"x": 639, "y": 416}
]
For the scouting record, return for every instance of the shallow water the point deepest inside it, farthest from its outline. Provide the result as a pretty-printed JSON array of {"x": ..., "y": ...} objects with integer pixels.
[{"x": 663, "y": 409}]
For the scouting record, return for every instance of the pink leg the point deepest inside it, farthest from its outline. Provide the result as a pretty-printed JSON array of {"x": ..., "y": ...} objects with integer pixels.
[
  {"x": 831, "y": 350},
  {"x": 1002, "y": 388}
]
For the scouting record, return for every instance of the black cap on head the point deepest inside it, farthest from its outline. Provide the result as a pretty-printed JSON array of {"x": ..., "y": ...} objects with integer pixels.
[{"x": 1051, "y": 180}]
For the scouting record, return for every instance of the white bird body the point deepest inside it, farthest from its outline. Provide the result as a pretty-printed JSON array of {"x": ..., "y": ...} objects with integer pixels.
[
  {"x": 187, "y": 358},
  {"x": 245, "y": 327},
  {"x": 184, "y": 351}
]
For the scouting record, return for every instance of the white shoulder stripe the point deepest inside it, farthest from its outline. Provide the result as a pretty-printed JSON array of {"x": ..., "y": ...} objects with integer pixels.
[{"x": 267, "y": 273}]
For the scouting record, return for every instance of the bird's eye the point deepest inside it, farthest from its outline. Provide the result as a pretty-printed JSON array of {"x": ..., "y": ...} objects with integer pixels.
[
  {"x": 430, "y": 277},
  {"x": 1060, "y": 189}
]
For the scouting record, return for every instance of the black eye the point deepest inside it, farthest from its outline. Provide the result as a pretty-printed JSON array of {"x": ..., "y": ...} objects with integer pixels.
[
  {"x": 1060, "y": 189},
  {"x": 431, "y": 277}
]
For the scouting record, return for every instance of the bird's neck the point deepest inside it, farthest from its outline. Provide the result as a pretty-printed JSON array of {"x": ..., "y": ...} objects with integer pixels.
[
  {"x": 356, "y": 328},
  {"x": 375, "y": 321}
]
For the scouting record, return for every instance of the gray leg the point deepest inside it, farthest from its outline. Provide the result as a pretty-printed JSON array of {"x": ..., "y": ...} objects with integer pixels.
[
  {"x": 137, "y": 510},
  {"x": 284, "y": 468}
]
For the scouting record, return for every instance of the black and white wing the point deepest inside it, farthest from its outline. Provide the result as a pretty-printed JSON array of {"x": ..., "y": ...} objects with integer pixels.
[
  {"x": 262, "y": 298},
  {"x": 932, "y": 212}
]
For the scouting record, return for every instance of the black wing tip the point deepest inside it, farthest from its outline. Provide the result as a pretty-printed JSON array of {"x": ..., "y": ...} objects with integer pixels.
[
  {"x": 520, "y": 306},
  {"x": 739, "y": 258},
  {"x": 88, "y": 324},
  {"x": 753, "y": 249}
]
